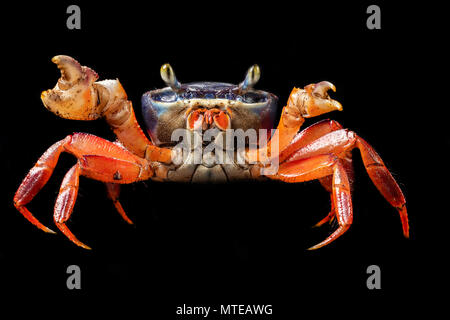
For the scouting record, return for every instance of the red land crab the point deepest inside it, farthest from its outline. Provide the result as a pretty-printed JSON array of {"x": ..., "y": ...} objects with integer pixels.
[{"x": 321, "y": 151}]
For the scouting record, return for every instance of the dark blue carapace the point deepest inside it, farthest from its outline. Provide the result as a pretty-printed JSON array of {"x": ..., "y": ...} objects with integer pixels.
[
  {"x": 167, "y": 109},
  {"x": 164, "y": 110}
]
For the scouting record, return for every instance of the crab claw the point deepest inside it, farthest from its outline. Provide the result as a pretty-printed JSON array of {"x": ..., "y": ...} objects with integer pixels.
[
  {"x": 322, "y": 88},
  {"x": 74, "y": 96},
  {"x": 317, "y": 101}
]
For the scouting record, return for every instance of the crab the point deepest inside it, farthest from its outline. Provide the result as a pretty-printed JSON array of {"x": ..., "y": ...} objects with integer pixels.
[{"x": 323, "y": 151}]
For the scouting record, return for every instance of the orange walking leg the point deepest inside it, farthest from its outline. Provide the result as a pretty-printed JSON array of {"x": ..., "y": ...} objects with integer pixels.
[
  {"x": 97, "y": 159},
  {"x": 342, "y": 202},
  {"x": 113, "y": 190},
  {"x": 383, "y": 180},
  {"x": 65, "y": 202},
  {"x": 318, "y": 167},
  {"x": 69, "y": 188},
  {"x": 340, "y": 143},
  {"x": 329, "y": 217},
  {"x": 327, "y": 183},
  {"x": 36, "y": 178},
  {"x": 307, "y": 136}
]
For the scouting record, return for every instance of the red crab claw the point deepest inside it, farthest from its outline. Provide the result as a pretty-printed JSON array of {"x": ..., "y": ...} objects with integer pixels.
[
  {"x": 74, "y": 96},
  {"x": 314, "y": 99}
]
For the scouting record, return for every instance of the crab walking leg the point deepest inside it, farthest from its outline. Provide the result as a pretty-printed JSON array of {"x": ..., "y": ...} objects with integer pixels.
[
  {"x": 113, "y": 190},
  {"x": 383, "y": 180},
  {"x": 329, "y": 217},
  {"x": 342, "y": 202},
  {"x": 87, "y": 165},
  {"x": 308, "y": 135},
  {"x": 36, "y": 178},
  {"x": 318, "y": 167},
  {"x": 65, "y": 202},
  {"x": 69, "y": 190},
  {"x": 98, "y": 159},
  {"x": 327, "y": 183},
  {"x": 340, "y": 143}
]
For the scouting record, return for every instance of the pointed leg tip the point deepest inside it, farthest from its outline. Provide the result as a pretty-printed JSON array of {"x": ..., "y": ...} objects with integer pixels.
[
  {"x": 128, "y": 220},
  {"x": 317, "y": 246},
  {"x": 336, "y": 234},
  {"x": 122, "y": 213},
  {"x": 404, "y": 219},
  {"x": 48, "y": 230},
  {"x": 29, "y": 216},
  {"x": 43, "y": 228},
  {"x": 329, "y": 218},
  {"x": 61, "y": 226},
  {"x": 321, "y": 223},
  {"x": 405, "y": 227},
  {"x": 81, "y": 244},
  {"x": 318, "y": 224}
]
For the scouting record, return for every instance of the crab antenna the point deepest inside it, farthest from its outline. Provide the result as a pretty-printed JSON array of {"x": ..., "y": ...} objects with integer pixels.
[
  {"x": 251, "y": 78},
  {"x": 169, "y": 77}
]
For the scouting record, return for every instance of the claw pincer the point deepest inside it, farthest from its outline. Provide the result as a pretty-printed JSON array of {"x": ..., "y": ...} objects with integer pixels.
[{"x": 74, "y": 96}]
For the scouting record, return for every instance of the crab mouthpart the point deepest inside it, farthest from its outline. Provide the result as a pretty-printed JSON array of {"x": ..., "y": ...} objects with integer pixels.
[{"x": 203, "y": 119}]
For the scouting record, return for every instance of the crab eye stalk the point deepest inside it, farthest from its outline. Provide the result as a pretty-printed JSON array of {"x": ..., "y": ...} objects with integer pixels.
[
  {"x": 169, "y": 77},
  {"x": 251, "y": 78}
]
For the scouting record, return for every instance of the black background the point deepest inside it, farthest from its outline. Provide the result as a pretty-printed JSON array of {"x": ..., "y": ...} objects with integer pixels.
[{"x": 239, "y": 243}]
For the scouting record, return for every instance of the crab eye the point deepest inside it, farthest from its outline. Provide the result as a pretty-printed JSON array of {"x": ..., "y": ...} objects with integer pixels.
[
  {"x": 251, "y": 78},
  {"x": 169, "y": 77}
]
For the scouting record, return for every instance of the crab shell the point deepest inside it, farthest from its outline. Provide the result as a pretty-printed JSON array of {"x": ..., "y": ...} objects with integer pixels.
[{"x": 165, "y": 110}]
